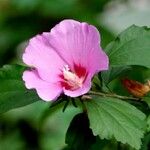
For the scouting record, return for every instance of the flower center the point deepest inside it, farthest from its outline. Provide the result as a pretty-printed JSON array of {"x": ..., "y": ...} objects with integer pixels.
[{"x": 71, "y": 80}]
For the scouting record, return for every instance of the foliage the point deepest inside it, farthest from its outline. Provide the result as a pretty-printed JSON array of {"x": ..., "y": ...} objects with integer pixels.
[
  {"x": 111, "y": 117},
  {"x": 129, "y": 46},
  {"x": 13, "y": 93},
  {"x": 107, "y": 121},
  {"x": 79, "y": 135}
]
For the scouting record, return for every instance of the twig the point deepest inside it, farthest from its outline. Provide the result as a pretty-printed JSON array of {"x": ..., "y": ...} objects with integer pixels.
[{"x": 113, "y": 95}]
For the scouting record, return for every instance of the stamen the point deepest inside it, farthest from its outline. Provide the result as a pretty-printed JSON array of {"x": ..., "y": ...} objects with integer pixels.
[{"x": 71, "y": 79}]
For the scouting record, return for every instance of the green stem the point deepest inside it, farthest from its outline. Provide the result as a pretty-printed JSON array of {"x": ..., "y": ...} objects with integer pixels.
[
  {"x": 113, "y": 95},
  {"x": 83, "y": 106}
]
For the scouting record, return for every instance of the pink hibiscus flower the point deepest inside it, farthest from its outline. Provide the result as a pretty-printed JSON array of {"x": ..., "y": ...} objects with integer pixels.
[{"x": 64, "y": 60}]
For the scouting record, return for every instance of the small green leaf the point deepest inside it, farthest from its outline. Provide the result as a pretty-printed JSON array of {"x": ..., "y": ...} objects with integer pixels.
[
  {"x": 13, "y": 93},
  {"x": 79, "y": 136},
  {"x": 131, "y": 47},
  {"x": 110, "y": 117}
]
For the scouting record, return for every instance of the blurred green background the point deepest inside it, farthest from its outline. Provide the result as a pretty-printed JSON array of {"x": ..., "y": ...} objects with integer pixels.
[{"x": 36, "y": 127}]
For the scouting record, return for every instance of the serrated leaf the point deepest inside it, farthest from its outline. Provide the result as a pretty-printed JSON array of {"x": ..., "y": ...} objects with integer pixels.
[
  {"x": 131, "y": 47},
  {"x": 13, "y": 93},
  {"x": 79, "y": 136},
  {"x": 110, "y": 117}
]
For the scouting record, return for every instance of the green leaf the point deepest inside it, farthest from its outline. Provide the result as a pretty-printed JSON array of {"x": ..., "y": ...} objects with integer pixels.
[
  {"x": 113, "y": 118},
  {"x": 13, "y": 93},
  {"x": 147, "y": 100},
  {"x": 131, "y": 47},
  {"x": 79, "y": 136},
  {"x": 100, "y": 144},
  {"x": 148, "y": 123},
  {"x": 112, "y": 73},
  {"x": 146, "y": 142}
]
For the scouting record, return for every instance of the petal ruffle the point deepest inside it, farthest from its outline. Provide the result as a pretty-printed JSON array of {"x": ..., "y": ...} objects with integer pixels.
[
  {"x": 78, "y": 43},
  {"x": 46, "y": 90},
  {"x": 41, "y": 56}
]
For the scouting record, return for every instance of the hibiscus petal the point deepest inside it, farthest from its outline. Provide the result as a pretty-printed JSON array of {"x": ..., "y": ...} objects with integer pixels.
[
  {"x": 46, "y": 90},
  {"x": 78, "y": 43},
  {"x": 41, "y": 56}
]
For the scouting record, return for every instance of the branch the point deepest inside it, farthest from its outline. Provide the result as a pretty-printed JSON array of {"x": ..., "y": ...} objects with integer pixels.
[{"x": 113, "y": 95}]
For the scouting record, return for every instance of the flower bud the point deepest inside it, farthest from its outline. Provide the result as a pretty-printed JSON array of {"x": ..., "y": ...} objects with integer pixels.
[{"x": 136, "y": 88}]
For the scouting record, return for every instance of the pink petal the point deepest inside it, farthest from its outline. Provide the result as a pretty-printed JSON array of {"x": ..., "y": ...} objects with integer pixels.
[
  {"x": 78, "y": 43},
  {"x": 40, "y": 55},
  {"x": 46, "y": 90}
]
